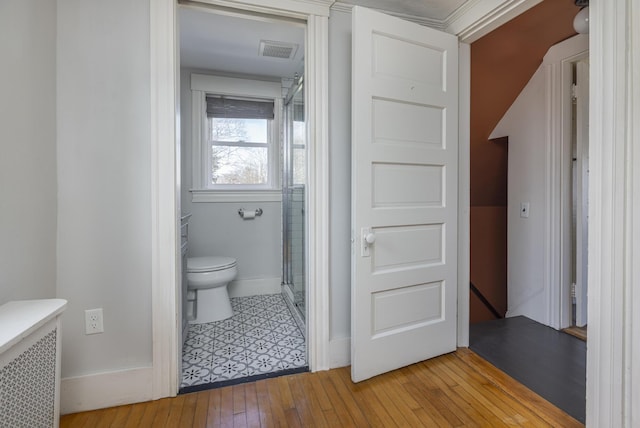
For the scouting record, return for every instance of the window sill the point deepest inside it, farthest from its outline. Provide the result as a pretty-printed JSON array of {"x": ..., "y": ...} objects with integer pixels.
[{"x": 198, "y": 196}]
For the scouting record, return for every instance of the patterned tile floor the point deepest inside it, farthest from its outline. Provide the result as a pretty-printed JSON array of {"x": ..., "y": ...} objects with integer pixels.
[{"x": 261, "y": 337}]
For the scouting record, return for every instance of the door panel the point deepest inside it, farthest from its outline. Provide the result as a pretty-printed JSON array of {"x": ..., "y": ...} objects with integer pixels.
[
  {"x": 404, "y": 193},
  {"x": 389, "y": 178}
]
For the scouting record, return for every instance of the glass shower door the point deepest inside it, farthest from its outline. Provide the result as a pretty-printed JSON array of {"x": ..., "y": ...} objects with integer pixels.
[{"x": 294, "y": 195}]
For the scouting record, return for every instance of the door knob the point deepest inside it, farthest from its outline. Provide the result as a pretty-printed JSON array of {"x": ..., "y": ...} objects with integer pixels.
[{"x": 370, "y": 238}]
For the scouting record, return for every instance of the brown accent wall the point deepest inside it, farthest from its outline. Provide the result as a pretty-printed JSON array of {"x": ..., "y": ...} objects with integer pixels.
[{"x": 502, "y": 62}]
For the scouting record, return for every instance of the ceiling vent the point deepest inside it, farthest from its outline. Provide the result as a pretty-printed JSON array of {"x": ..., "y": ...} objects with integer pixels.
[{"x": 282, "y": 50}]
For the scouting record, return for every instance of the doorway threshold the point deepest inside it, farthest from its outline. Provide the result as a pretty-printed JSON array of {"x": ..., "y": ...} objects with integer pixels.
[
  {"x": 579, "y": 332},
  {"x": 238, "y": 381}
]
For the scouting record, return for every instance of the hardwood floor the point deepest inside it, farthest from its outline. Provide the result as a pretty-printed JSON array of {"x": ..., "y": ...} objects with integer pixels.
[{"x": 458, "y": 389}]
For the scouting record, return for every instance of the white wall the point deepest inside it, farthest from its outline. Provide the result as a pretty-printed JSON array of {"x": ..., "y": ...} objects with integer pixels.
[
  {"x": 525, "y": 124},
  {"x": 103, "y": 150},
  {"x": 539, "y": 161},
  {"x": 340, "y": 173},
  {"x": 216, "y": 229},
  {"x": 27, "y": 150}
]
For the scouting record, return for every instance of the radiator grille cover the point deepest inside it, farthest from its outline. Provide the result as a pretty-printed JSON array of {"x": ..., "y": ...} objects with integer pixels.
[{"x": 28, "y": 386}]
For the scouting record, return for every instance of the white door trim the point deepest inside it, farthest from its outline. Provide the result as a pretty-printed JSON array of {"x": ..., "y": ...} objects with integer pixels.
[
  {"x": 165, "y": 263},
  {"x": 613, "y": 354},
  {"x": 165, "y": 215},
  {"x": 557, "y": 66},
  {"x": 317, "y": 102},
  {"x": 464, "y": 191}
]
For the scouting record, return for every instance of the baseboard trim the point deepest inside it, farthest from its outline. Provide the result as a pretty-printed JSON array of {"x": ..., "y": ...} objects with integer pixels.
[
  {"x": 255, "y": 287},
  {"x": 82, "y": 393},
  {"x": 339, "y": 352}
]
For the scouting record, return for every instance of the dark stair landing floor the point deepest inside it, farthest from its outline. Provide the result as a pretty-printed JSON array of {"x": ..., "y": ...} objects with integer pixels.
[{"x": 547, "y": 361}]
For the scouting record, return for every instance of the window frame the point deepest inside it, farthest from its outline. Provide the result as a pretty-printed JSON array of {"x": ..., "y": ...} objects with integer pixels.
[
  {"x": 201, "y": 85},
  {"x": 272, "y": 159}
]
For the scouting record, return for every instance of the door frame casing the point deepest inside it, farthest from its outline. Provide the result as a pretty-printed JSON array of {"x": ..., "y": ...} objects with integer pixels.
[
  {"x": 557, "y": 64},
  {"x": 165, "y": 138},
  {"x": 613, "y": 354}
]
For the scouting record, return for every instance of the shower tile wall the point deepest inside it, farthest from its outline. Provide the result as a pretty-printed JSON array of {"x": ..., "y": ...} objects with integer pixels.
[{"x": 296, "y": 226}]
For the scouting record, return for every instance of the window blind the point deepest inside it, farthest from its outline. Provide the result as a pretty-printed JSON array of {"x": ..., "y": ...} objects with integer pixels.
[{"x": 222, "y": 107}]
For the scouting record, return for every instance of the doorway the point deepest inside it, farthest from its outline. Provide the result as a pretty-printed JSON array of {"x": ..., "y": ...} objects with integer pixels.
[
  {"x": 580, "y": 196},
  {"x": 241, "y": 107}
]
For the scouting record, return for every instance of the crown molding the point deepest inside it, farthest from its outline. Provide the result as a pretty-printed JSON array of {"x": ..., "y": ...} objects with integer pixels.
[
  {"x": 476, "y": 18},
  {"x": 339, "y": 6},
  {"x": 469, "y": 22}
]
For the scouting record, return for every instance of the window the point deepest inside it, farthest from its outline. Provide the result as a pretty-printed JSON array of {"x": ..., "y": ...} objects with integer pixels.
[{"x": 239, "y": 143}]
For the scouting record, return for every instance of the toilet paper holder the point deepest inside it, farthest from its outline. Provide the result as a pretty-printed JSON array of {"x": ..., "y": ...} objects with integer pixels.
[{"x": 250, "y": 213}]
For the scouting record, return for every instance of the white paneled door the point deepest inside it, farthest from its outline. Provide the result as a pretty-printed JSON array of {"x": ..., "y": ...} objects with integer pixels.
[{"x": 404, "y": 193}]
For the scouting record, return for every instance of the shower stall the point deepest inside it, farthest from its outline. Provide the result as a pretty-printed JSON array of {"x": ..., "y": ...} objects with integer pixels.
[{"x": 293, "y": 198}]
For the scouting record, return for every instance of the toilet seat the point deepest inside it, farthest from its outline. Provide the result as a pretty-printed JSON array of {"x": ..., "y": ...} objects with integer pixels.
[{"x": 209, "y": 264}]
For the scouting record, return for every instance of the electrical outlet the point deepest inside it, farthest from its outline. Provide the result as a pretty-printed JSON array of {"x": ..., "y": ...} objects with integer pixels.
[{"x": 93, "y": 321}]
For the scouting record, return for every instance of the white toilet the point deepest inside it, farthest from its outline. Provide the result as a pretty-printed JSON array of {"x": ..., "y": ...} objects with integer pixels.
[{"x": 208, "y": 278}]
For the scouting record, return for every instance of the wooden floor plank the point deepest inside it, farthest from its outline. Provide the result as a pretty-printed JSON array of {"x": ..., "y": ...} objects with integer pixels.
[
  {"x": 436, "y": 397},
  {"x": 306, "y": 404},
  {"x": 226, "y": 407},
  {"x": 134, "y": 417},
  {"x": 407, "y": 404},
  {"x": 106, "y": 417},
  {"x": 275, "y": 400},
  {"x": 482, "y": 409},
  {"x": 201, "y": 409},
  {"x": 214, "y": 412},
  {"x": 175, "y": 411},
  {"x": 344, "y": 408},
  {"x": 264, "y": 404},
  {"x": 121, "y": 415},
  {"x": 397, "y": 409},
  {"x": 149, "y": 413},
  {"x": 285, "y": 393},
  {"x": 319, "y": 393},
  {"x": 376, "y": 414},
  {"x": 188, "y": 410},
  {"x": 73, "y": 420},
  {"x": 460, "y": 389},
  {"x": 161, "y": 413},
  {"x": 238, "y": 399},
  {"x": 292, "y": 418},
  {"x": 251, "y": 405},
  {"x": 240, "y": 420},
  {"x": 427, "y": 411}
]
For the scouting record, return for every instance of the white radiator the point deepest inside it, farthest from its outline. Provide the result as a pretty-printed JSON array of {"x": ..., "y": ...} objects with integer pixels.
[{"x": 30, "y": 363}]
